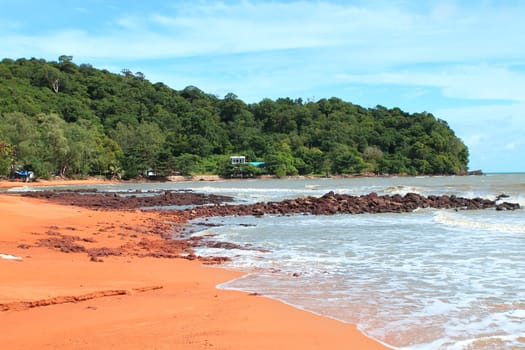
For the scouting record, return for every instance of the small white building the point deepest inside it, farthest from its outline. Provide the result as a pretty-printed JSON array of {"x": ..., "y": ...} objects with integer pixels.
[{"x": 238, "y": 159}]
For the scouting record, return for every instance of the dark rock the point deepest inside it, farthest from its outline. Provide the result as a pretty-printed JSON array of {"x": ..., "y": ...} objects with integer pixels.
[
  {"x": 96, "y": 200},
  {"x": 331, "y": 203},
  {"x": 507, "y": 206},
  {"x": 503, "y": 195}
]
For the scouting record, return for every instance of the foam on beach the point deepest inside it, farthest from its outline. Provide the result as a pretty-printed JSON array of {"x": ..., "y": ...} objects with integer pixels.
[
  {"x": 432, "y": 279},
  {"x": 463, "y": 220},
  {"x": 10, "y": 257}
]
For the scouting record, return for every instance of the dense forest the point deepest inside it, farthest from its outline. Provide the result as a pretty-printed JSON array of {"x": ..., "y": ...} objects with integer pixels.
[{"x": 60, "y": 118}]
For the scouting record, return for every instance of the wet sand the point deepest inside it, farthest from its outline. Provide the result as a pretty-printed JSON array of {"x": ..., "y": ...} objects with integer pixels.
[
  {"x": 54, "y": 182},
  {"x": 103, "y": 279}
]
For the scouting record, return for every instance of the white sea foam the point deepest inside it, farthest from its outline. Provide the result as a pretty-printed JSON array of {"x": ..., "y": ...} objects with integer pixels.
[
  {"x": 312, "y": 187},
  {"x": 425, "y": 280},
  {"x": 403, "y": 190},
  {"x": 10, "y": 257},
  {"x": 21, "y": 189},
  {"x": 490, "y": 342},
  {"x": 457, "y": 220}
]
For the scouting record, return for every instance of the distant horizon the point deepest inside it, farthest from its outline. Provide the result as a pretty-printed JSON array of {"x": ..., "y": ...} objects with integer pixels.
[
  {"x": 462, "y": 61},
  {"x": 504, "y": 173}
]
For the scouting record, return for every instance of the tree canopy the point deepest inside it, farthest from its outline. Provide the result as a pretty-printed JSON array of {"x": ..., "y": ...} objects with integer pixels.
[{"x": 75, "y": 120}]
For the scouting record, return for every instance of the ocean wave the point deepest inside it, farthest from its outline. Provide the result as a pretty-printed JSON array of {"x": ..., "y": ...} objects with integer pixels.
[
  {"x": 22, "y": 189},
  {"x": 455, "y": 220},
  {"x": 490, "y": 342},
  {"x": 520, "y": 199},
  {"x": 403, "y": 190},
  {"x": 248, "y": 189}
]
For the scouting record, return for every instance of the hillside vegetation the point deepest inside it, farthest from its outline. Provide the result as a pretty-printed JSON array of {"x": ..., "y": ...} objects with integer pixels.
[{"x": 60, "y": 118}]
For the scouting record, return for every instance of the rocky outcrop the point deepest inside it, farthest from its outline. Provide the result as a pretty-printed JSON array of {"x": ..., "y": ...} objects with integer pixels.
[
  {"x": 332, "y": 203},
  {"x": 93, "y": 199}
]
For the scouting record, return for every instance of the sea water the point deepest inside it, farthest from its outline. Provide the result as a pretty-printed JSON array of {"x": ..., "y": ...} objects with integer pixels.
[{"x": 430, "y": 279}]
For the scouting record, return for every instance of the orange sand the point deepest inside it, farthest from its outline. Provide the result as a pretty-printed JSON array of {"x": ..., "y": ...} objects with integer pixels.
[
  {"x": 156, "y": 304},
  {"x": 54, "y": 182}
]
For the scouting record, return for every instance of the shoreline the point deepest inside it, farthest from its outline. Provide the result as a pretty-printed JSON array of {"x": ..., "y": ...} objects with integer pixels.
[
  {"x": 132, "y": 300},
  {"x": 6, "y": 184}
]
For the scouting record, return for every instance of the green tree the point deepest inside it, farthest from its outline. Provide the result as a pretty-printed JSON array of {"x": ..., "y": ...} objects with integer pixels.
[
  {"x": 20, "y": 131},
  {"x": 107, "y": 160},
  {"x": 141, "y": 146},
  {"x": 372, "y": 155},
  {"x": 6, "y": 157},
  {"x": 346, "y": 160},
  {"x": 71, "y": 120},
  {"x": 188, "y": 164},
  {"x": 280, "y": 160}
]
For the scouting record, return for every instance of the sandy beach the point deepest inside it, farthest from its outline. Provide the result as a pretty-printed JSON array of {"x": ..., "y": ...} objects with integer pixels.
[
  {"x": 53, "y": 182},
  {"x": 74, "y": 278}
]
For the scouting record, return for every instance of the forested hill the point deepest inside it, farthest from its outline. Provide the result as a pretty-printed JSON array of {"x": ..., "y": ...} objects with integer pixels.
[{"x": 76, "y": 120}]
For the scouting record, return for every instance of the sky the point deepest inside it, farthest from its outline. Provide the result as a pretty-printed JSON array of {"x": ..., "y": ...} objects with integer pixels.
[{"x": 462, "y": 61}]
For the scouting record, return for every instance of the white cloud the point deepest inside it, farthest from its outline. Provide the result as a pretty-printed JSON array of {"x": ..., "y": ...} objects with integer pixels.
[
  {"x": 493, "y": 133},
  {"x": 460, "y": 81},
  {"x": 83, "y": 10},
  {"x": 445, "y": 10},
  {"x": 514, "y": 146},
  {"x": 371, "y": 35},
  {"x": 474, "y": 140},
  {"x": 9, "y": 25}
]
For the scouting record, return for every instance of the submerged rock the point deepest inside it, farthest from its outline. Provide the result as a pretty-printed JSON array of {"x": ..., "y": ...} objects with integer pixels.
[
  {"x": 126, "y": 200},
  {"x": 332, "y": 203}
]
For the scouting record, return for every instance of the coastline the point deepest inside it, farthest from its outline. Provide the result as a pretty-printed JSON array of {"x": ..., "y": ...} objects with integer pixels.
[
  {"x": 6, "y": 184},
  {"x": 131, "y": 301}
]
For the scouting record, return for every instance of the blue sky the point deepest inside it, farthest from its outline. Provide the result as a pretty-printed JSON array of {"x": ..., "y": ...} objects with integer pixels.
[{"x": 463, "y": 61}]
